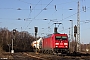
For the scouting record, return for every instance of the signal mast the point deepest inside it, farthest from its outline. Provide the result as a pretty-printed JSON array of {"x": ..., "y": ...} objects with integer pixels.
[{"x": 78, "y": 29}]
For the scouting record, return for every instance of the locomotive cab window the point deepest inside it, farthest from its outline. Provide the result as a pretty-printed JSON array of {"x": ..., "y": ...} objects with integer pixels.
[
  {"x": 61, "y": 37},
  {"x": 58, "y": 38},
  {"x": 64, "y": 37}
]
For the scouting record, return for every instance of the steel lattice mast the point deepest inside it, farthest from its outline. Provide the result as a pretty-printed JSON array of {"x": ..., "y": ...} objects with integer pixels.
[{"x": 78, "y": 28}]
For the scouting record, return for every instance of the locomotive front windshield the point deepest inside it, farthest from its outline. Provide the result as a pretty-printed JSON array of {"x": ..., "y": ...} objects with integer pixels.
[{"x": 61, "y": 37}]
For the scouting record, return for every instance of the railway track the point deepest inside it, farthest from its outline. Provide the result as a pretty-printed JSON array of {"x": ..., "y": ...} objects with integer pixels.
[
  {"x": 59, "y": 57},
  {"x": 41, "y": 56},
  {"x": 63, "y": 56}
]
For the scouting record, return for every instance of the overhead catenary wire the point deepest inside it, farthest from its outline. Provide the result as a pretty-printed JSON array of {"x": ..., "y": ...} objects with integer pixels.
[
  {"x": 83, "y": 6},
  {"x": 69, "y": 17},
  {"x": 24, "y": 2},
  {"x": 43, "y": 9},
  {"x": 30, "y": 13},
  {"x": 35, "y": 5},
  {"x": 64, "y": 18},
  {"x": 28, "y": 3},
  {"x": 74, "y": 14},
  {"x": 40, "y": 11},
  {"x": 33, "y": 8}
]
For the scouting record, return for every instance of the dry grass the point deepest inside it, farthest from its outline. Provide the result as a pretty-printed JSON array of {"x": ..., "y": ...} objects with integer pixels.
[{"x": 1, "y": 51}]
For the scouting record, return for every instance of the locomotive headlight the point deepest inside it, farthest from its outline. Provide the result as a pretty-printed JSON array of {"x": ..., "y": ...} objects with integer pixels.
[
  {"x": 56, "y": 46},
  {"x": 56, "y": 43},
  {"x": 65, "y": 43},
  {"x": 66, "y": 46}
]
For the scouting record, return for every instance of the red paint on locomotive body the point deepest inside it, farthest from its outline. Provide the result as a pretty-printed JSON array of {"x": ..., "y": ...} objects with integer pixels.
[{"x": 55, "y": 41}]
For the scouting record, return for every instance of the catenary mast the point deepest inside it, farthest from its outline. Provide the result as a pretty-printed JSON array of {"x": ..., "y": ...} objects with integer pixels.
[{"x": 78, "y": 28}]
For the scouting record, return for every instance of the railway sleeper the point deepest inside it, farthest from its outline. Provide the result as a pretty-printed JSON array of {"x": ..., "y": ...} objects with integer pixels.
[{"x": 78, "y": 54}]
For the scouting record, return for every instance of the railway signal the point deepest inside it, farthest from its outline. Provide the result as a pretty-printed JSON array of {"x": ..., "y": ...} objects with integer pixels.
[
  {"x": 75, "y": 32},
  {"x": 75, "y": 29},
  {"x": 36, "y": 30},
  {"x": 14, "y": 32}
]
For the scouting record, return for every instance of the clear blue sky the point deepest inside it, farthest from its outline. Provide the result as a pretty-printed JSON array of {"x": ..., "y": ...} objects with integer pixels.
[{"x": 17, "y": 14}]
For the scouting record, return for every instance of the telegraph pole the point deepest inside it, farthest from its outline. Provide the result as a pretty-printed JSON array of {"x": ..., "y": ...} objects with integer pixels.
[{"x": 78, "y": 29}]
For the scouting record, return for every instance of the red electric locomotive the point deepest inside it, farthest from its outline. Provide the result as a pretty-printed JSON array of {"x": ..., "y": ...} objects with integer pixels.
[{"x": 55, "y": 43}]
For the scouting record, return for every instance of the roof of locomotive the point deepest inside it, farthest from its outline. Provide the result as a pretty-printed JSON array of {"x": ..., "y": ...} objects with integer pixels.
[{"x": 54, "y": 34}]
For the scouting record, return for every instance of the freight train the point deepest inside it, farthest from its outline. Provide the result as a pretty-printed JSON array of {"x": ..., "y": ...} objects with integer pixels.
[
  {"x": 36, "y": 44},
  {"x": 53, "y": 43}
]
